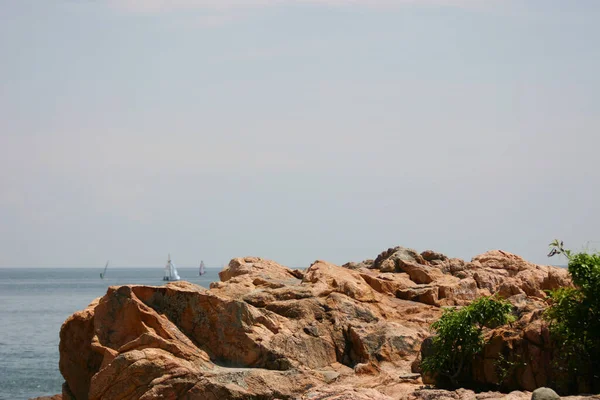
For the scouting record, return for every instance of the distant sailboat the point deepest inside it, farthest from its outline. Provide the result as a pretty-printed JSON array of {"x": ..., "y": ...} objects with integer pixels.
[
  {"x": 103, "y": 274},
  {"x": 202, "y": 270},
  {"x": 170, "y": 271}
]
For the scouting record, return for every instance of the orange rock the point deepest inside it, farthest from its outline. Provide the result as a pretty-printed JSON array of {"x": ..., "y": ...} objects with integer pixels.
[
  {"x": 329, "y": 332},
  {"x": 78, "y": 362},
  {"x": 387, "y": 283},
  {"x": 327, "y": 277}
]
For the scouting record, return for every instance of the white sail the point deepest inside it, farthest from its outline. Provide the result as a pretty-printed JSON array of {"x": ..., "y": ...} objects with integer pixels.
[
  {"x": 202, "y": 269},
  {"x": 174, "y": 275},
  {"x": 171, "y": 271}
]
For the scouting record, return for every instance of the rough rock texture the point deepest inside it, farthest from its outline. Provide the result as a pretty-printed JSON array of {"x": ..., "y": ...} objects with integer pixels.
[
  {"x": 524, "y": 350},
  {"x": 329, "y": 332},
  {"x": 544, "y": 393}
]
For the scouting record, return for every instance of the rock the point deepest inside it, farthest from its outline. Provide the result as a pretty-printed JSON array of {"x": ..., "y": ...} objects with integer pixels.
[
  {"x": 346, "y": 392},
  {"x": 463, "y": 394},
  {"x": 523, "y": 352},
  {"x": 259, "y": 298},
  {"x": 328, "y": 277},
  {"x": 509, "y": 274},
  {"x": 458, "y": 292},
  {"x": 531, "y": 282},
  {"x": 78, "y": 361},
  {"x": 390, "y": 258},
  {"x": 460, "y": 283},
  {"x": 268, "y": 332},
  {"x": 298, "y": 273},
  {"x": 426, "y": 350},
  {"x": 133, "y": 340},
  {"x": 501, "y": 260},
  {"x": 489, "y": 279},
  {"x": 430, "y": 255},
  {"x": 388, "y": 265},
  {"x": 533, "y": 333},
  {"x": 422, "y": 294},
  {"x": 330, "y": 376},
  {"x": 387, "y": 283},
  {"x": 509, "y": 289},
  {"x": 556, "y": 278},
  {"x": 544, "y": 393},
  {"x": 312, "y": 330},
  {"x": 454, "y": 266},
  {"x": 410, "y": 377},
  {"x": 366, "y": 264},
  {"x": 258, "y": 268},
  {"x": 436, "y": 394},
  {"x": 365, "y": 368},
  {"x": 420, "y": 274},
  {"x": 384, "y": 342}
]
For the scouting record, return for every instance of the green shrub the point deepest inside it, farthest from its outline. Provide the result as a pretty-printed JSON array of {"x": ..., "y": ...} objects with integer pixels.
[
  {"x": 574, "y": 320},
  {"x": 459, "y": 336}
]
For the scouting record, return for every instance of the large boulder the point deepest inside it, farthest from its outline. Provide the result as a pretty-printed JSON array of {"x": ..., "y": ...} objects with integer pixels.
[
  {"x": 544, "y": 393},
  {"x": 256, "y": 268},
  {"x": 150, "y": 342},
  {"x": 78, "y": 362},
  {"x": 391, "y": 259}
]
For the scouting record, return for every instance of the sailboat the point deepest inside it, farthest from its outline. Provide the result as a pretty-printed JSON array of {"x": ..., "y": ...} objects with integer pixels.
[
  {"x": 171, "y": 271},
  {"x": 202, "y": 271},
  {"x": 103, "y": 274}
]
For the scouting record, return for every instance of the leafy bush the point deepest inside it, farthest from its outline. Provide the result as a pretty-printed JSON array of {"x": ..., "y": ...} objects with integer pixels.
[
  {"x": 574, "y": 319},
  {"x": 459, "y": 336}
]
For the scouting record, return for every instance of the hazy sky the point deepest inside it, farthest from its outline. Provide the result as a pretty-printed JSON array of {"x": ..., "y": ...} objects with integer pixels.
[{"x": 295, "y": 130}]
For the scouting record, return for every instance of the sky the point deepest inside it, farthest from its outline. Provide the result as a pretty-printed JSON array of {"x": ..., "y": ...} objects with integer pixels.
[{"x": 295, "y": 130}]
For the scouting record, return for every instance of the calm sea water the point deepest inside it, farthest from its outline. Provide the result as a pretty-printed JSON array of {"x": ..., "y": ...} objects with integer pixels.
[{"x": 34, "y": 302}]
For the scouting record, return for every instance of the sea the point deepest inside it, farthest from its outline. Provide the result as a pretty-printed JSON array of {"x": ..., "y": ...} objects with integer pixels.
[{"x": 34, "y": 303}]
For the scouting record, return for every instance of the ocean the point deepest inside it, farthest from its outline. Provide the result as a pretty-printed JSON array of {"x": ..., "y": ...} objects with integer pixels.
[{"x": 34, "y": 303}]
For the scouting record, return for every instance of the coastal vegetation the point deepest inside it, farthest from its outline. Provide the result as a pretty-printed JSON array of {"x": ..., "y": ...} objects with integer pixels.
[
  {"x": 459, "y": 337},
  {"x": 574, "y": 322}
]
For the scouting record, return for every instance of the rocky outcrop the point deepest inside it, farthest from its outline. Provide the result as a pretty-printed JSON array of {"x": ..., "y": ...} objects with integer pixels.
[
  {"x": 268, "y": 332},
  {"x": 438, "y": 280}
]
